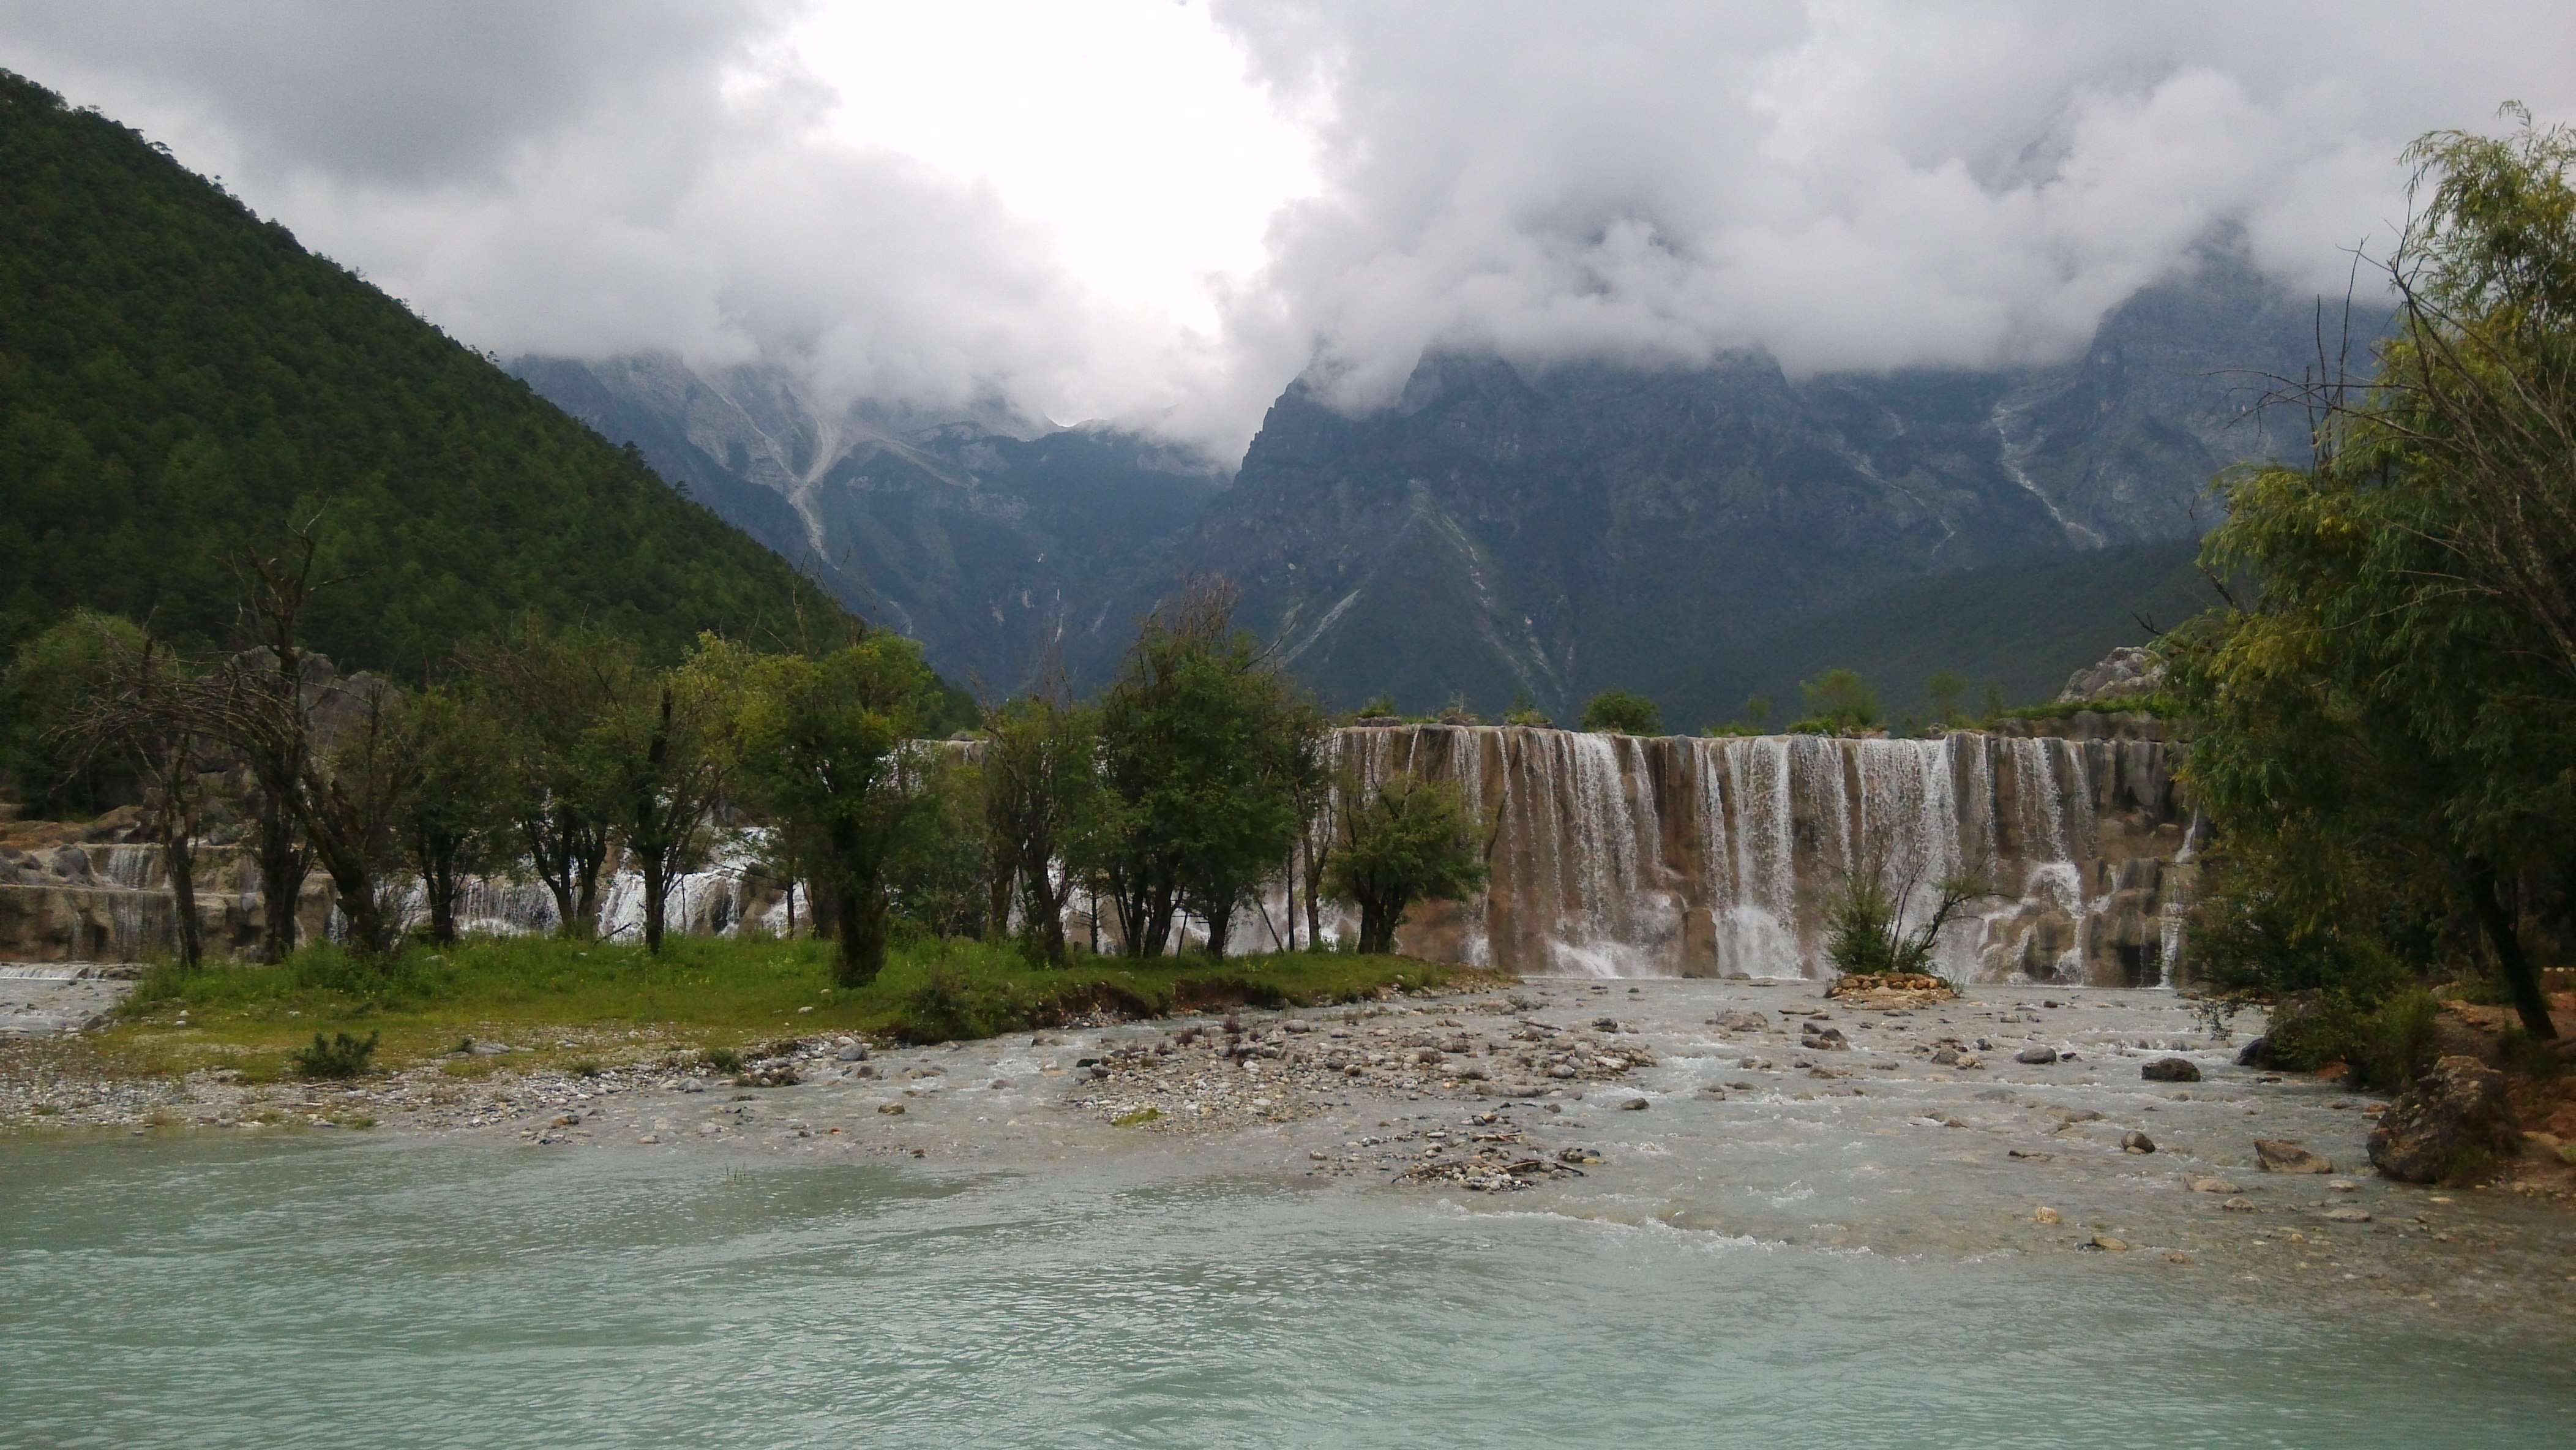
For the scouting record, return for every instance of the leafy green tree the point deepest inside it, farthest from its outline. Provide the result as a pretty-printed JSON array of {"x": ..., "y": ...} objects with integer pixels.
[
  {"x": 1405, "y": 841},
  {"x": 1946, "y": 689},
  {"x": 824, "y": 746},
  {"x": 1992, "y": 707},
  {"x": 1199, "y": 747},
  {"x": 456, "y": 823},
  {"x": 44, "y": 698},
  {"x": 2386, "y": 723},
  {"x": 1618, "y": 712},
  {"x": 1525, "y": 711},
  {"x": 559, "y": 690},
  {"x": 1041, "y": 775},
  {"x": 665, "y": 743},
  {"x": 1839, "y": 702},
  {"x": 938, "y": 874},
  {"x": 1757, "y": 710}
]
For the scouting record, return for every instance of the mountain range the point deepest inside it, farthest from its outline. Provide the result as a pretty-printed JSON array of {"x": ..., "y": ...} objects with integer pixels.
[{"x": 1503, "y": 531}]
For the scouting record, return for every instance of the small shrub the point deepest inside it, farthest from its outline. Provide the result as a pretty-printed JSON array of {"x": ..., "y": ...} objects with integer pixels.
[
  {"x": 2478, "y": 991},
  {"x": 342, "y": 1056},
  {"x": 1140, "y": 1116},
  {"x": 2393, "y": 1044},
  {"x": 1839, "y": 702},
  {"x": 1619, "y": 712},
  {"x": 2533, "y": 1057},
  {"x": 1865, "y": 931},
  {"x": 722, "y": 1059},
  {"x": 2309, "y": 1030},
  {"x": 586, "y": 1067},
  {"x": 951, "y": 1005}
]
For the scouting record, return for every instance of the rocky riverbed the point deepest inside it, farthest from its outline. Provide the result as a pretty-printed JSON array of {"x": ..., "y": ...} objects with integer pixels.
[{"x": 2091, "y": 1121}]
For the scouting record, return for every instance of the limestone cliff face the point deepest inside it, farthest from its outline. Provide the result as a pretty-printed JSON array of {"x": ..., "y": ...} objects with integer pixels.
[
  {"x": 1676, "y": 856},
  {"x": 110, "y": 902}
]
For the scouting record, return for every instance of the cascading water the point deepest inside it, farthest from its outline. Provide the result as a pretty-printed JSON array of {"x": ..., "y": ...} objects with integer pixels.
[{"x": 1625, "y": 856}]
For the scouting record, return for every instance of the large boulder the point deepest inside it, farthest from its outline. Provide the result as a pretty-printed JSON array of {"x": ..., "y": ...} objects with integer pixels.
[
  {"x": 2290, "y": 1034},
  {"x": 2283, "y": 1155},
  {"x": 2456, "y": 1109}
]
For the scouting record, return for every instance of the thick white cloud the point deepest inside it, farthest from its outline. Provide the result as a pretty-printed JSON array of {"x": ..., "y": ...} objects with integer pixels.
[
  {"x": 1853, "y": 185},
  {"x": 1847, "y": 184},
  {"x": 600, "y": 177}
]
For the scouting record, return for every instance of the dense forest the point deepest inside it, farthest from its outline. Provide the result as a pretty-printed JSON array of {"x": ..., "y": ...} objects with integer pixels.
[{"x": 182, "y": 384}]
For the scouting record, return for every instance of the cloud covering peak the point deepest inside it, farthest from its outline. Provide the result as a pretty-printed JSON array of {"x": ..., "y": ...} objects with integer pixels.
[{"x": 1848, "y": 185}]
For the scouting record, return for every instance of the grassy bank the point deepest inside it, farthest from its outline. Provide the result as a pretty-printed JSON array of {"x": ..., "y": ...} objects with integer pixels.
[{"x": 571, "y": 1001}]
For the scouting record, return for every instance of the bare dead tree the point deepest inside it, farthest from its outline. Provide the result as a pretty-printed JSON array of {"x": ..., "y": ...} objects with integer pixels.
[
  {"x": 260, "y": 708},
  {"x": 147, "y": 714}
]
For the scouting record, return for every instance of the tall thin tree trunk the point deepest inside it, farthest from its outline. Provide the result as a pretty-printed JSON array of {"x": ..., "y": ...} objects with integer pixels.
[
  {"x": 1314, "y": 907},
  {"x": 657, "y": 902},
  {"x": 997, "y": 904},
  {"x": 859, "y": 901},
  {"x": 585, "y": 901},
  {"x": 181, "y": 865},
  {"x": 439, "y": 886},
  {"x": 2519, "y": 978},
  {"x": 282, "y": 868}
]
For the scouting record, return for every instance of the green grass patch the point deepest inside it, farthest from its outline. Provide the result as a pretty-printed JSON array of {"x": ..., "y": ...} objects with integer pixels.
[
  {"x": 2159, "y": 705},
  {"x": 574, "y": 1005}
]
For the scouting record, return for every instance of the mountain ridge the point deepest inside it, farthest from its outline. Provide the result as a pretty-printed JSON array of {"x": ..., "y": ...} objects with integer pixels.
[
  {"x": 1497, "y": 530},
  {"x": 181, "y": 381}
]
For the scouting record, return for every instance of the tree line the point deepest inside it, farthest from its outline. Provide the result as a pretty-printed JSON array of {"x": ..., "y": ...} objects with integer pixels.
[
  {"x": 1198, "y": 778},
  {"x": 2384, "y": 722}
]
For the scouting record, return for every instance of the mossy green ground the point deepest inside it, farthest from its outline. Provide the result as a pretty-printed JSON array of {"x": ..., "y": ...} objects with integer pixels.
[{"x": 578, "y": 1001}]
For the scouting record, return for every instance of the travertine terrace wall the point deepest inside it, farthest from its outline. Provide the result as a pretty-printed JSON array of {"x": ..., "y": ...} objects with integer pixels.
[{"x": 1679, "y": 856}]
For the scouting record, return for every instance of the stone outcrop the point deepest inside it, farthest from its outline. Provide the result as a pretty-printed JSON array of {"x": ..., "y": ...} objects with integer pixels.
[
  {"x": 2126, "y": 673},
  {"x": 2459, "y": 1108}
]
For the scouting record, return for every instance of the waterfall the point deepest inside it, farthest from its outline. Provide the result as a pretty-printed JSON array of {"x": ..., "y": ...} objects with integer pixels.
[{"x": 1625, "y": 856}]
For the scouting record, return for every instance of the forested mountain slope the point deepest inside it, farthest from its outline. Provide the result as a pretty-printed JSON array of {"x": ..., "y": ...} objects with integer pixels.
[
  {"x": 2021, "y": 628},
  {"x": 180, "y": 381}
]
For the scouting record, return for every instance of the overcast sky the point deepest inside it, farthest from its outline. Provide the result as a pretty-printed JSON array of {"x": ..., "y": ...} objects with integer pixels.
[{"x": 1161, "y": 212}]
